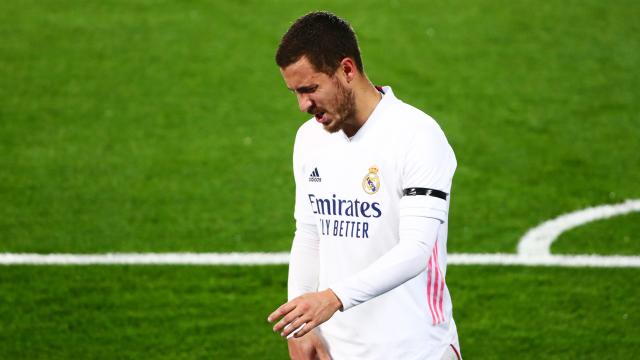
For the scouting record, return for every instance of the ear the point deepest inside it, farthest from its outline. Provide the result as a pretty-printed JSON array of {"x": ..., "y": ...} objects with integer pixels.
[{"x": 349, "y": 69}]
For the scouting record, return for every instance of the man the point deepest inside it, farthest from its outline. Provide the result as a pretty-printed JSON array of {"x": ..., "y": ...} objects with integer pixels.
[{"x": 373, "y": 177}]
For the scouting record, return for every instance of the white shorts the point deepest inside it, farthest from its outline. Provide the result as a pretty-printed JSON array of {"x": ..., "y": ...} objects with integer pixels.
[{"x": 451, "y": 354}]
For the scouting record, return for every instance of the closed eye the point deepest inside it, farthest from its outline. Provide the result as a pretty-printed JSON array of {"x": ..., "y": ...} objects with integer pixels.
[{"x": 306, "y": 89}]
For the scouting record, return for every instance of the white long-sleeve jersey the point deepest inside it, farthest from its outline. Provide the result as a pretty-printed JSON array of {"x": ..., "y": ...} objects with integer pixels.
[{"x": 367, "y": 230}]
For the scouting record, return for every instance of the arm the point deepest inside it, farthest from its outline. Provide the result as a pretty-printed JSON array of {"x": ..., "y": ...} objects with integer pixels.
[
  {"x": 304, "y": 261},
  {"x": 303, "y": 278},
  {"x": 303, "y": 284},
  {"x": 427, "y": 162},
  {"x": 304, "y": 266},
  {"x": 418, "y": 232}
]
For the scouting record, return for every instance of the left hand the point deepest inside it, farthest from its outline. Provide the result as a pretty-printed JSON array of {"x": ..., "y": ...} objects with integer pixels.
[
  {"x": 308, "y": 347},
  {"x": 310, "y": 309}
]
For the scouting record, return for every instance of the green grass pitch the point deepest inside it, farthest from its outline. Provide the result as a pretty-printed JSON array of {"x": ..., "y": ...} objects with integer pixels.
[{"x": 155, "y": 126}]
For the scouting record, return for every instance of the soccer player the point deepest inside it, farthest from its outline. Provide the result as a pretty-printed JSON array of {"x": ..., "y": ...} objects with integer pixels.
[{"x": 373, "y": 180}]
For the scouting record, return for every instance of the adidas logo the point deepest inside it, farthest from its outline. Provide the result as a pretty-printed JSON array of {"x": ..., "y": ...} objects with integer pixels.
[{"x": 315, "y": 176}]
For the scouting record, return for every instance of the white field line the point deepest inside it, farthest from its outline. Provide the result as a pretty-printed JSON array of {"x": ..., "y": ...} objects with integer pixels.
[
  {"x": 555, "y": 260},
  {"x": 533, "y": 250},
  {"x": 283, "y": 259},
  {"x": 146, "y": 259},
  {"x": 537, "y": 241}
]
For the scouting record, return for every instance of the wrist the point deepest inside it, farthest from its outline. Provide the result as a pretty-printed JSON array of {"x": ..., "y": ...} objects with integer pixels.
[{"x": 334, "y": 299}]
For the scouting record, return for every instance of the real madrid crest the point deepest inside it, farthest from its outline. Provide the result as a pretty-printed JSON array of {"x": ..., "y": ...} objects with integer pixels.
[{"x": 371, "y": 181}]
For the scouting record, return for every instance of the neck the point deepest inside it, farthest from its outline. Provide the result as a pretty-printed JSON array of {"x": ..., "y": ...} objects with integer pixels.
[{"x": 367, "y": 98}]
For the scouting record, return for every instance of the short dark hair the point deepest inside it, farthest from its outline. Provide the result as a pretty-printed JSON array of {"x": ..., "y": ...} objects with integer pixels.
[{"x": 324, "y": 38}]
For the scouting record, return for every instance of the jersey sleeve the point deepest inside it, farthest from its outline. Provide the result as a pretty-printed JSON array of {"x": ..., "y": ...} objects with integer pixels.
[
  {"x": 304, "y": 262},
  {"x": 403, "y": 262},
  {"x": 302, "y": 210},
  {"x": 428, "y": 163}
]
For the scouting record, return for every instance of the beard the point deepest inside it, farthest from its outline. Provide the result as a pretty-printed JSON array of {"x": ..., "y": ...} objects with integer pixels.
[{"x": 345, "y": 111}]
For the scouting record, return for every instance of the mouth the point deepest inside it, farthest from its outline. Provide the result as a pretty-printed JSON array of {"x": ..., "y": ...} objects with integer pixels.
[{"x": 320, "y": 117}]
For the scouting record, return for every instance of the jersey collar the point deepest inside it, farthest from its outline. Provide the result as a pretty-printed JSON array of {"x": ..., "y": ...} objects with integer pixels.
[{"x": 387, "y": 98}]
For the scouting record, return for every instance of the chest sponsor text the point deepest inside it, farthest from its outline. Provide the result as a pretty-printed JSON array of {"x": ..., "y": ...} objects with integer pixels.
[{"x": 344, "y": 217}]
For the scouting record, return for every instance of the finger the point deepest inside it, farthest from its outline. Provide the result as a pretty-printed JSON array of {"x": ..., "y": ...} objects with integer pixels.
[
  {"x": 294, "y": 314},
  {"x": 307, "y": 327},
  {"x": 293, "y": 326},
  {"x": 281, "y": 311},
  {"x": 293, "y": 333}
]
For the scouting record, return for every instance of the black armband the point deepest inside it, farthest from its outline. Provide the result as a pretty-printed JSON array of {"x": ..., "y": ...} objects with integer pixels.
[{"x": 425, "y": 191}]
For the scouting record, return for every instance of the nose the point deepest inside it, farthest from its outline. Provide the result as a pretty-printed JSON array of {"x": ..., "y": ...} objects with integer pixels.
[{"x": 304, "y": 102}]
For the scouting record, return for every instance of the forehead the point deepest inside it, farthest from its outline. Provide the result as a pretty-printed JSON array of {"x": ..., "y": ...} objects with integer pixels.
[{"x": 301, "y": 73}]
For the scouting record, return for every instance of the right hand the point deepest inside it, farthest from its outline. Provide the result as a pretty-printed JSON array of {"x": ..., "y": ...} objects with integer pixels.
[{"x": 311, "y": 346}]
